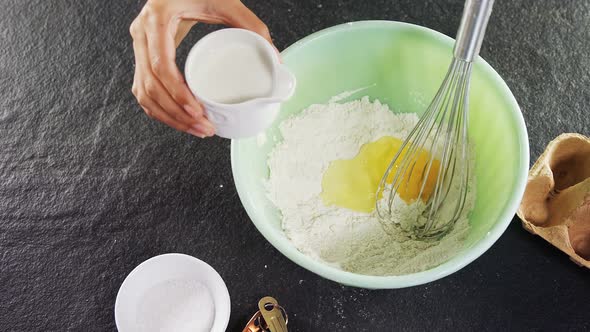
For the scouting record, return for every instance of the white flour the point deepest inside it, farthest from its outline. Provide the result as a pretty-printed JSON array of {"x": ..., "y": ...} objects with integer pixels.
[{"x": 346, "y": 239}]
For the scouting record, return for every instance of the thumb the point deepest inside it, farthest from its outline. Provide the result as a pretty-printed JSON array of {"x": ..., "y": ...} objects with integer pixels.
[{"x": 242, "y": 17}]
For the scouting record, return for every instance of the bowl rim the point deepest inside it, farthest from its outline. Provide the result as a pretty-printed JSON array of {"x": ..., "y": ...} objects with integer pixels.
[{"x": 392, "y": 282}]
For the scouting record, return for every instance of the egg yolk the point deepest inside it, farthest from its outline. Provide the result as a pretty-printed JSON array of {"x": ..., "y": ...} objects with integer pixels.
[{"x": 352, "y": 183}]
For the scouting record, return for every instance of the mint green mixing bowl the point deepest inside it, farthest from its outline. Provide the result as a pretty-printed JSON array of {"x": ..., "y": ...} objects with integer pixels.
[{"x": 403, "y": 66}]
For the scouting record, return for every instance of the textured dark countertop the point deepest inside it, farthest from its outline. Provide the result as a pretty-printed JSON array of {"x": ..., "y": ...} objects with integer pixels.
[{"x": 90, "y": 187}]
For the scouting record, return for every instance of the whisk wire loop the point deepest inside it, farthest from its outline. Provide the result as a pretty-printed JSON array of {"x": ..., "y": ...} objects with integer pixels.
[{"x": 441, "y": 133}]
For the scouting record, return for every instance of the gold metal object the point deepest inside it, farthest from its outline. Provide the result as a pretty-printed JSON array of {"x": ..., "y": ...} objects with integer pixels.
[
  {"x": 273, "y": 316},
  {"x": 270, "y": 317}
]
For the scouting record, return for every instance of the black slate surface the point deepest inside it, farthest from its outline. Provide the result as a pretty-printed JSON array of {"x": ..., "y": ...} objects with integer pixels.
[{"x": 90, "y": 187}]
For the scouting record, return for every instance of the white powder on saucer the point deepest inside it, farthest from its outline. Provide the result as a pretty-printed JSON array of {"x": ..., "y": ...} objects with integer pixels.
[{"x": 176, "y": 305}]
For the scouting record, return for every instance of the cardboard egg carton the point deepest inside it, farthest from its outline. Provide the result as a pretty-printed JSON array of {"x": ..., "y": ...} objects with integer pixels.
[{"x": 556, "y": 202}]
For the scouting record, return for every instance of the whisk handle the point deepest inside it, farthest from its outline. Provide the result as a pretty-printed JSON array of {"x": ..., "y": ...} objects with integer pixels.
[{"x": 472, "y": 29}]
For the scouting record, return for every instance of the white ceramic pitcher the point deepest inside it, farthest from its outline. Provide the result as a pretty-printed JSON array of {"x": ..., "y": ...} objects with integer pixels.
[{"x": 252, "y": 116}]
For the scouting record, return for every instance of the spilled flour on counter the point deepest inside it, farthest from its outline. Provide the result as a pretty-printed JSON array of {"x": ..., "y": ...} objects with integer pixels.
[{"x": 352, "y": 241}]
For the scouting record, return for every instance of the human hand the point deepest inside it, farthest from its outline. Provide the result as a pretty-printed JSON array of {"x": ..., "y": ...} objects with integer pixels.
[{"x": 157, "y": 31}]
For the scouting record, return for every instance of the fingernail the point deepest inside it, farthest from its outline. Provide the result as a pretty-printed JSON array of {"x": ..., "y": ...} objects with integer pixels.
[
  {"x": 207, "y": 129},
  {"x": 196, "y": 133},
  {"x": 192, "y": 111}
]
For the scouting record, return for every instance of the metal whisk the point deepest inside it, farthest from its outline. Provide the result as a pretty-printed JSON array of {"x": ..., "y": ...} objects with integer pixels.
[{"x": 441, "y": 134}]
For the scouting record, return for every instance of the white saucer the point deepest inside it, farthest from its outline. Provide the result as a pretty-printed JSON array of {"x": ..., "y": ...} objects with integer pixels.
[{"x": 171, "y": 269}]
